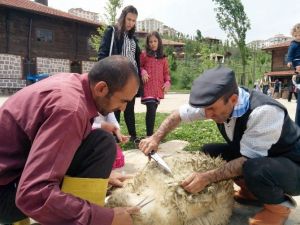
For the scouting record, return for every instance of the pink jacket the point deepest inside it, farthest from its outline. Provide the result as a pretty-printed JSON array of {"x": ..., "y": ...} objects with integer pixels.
[{"x": 159, "y": 74}]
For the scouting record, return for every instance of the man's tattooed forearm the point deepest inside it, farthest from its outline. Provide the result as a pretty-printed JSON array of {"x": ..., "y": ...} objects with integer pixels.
[
  {"x": 169, "y": 124},
  {"x": 228, "y": 170}
]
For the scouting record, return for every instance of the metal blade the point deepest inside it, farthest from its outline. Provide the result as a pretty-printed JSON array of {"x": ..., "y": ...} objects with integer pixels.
[{"x": 160, "y": 161}]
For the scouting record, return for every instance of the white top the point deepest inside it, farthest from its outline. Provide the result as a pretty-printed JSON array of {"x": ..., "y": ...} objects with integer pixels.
[
  {"x": 263, "y": 128},
  {"x": 110, "y": 118}
]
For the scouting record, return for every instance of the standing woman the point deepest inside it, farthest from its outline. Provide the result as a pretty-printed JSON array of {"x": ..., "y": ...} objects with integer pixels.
[{"x": 120, "y": 40}]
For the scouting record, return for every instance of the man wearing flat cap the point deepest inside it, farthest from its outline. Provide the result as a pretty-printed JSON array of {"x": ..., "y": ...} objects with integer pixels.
[{"x": 262, "y": 146}]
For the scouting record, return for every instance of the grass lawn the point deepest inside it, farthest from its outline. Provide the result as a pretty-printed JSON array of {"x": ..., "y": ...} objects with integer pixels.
[{"x": 197, "y": 133}]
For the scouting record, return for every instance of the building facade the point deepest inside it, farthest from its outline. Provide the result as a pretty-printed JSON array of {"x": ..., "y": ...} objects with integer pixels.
[
  {"x": 279, "y": 69},
  {"x": 38, "y": 39},
  {"x": 95, "y": 17},
  {"x": 149, "y": 25},
  {"x": 277, "y": 39}
]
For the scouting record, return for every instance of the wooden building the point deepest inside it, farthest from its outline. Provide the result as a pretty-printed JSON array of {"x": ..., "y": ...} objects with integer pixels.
[
  {"x": 36, "y": 38},
  {"x": 279, "y": 69}
]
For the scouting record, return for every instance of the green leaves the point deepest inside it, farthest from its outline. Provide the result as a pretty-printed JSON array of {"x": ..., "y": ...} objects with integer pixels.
[
  {"x": 111, "y": 10},
  {"x": 234, "y": 21}
]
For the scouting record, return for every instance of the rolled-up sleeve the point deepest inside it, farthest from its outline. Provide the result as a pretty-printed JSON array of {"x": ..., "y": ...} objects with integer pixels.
[
  {"x": 39, "y": 195},
  {"x": 188, "y": 113}
]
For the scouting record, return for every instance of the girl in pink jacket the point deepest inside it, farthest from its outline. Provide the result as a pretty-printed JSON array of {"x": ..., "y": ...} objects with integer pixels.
[{"x": 156, "y": 77}]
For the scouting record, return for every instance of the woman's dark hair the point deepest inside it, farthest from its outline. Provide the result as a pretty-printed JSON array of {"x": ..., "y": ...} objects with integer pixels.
[
  {"x": 121, "y": 21},
  {"x": 160, "y": 51},
  {"x": 114, "y": 70}
]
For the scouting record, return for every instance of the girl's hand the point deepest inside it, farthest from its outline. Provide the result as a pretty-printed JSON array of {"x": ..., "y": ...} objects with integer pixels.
[
  {"x": 166, "y": 88},
  {"x": 122, "y": 138},
  {"x": 145, "y": 78},
  {"x": 109, "y": 127}
]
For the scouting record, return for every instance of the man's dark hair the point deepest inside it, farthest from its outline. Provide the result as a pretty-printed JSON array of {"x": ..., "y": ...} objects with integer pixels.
[
  {"x": 115, "y": 71},
  {"x": 233, "y": 90},
  {"x": 121, "y": 21},
  {"x": 160, "y": 51}
]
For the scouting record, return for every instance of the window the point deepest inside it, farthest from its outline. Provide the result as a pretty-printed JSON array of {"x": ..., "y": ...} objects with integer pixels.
[{"x": 44, "y": 35}]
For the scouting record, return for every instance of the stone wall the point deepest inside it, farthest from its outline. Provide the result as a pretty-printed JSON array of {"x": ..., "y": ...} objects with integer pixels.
[
  {"x": 11, "y": 78},
  {"x": 11, "y": 70},
  {"x": 87, "y": 66},
  {"x": 52, "y": 66}
]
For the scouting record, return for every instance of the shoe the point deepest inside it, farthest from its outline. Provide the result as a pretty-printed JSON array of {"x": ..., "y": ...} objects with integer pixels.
[
  {"x": 271, "y": 215},
  {"x": 244, "y": 196}
]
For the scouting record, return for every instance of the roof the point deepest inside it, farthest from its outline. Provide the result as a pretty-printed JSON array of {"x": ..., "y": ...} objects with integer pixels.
[
  {"x": 279, "y": 45},
  {"x": 281, "y": 73},
  {"x": 169, "y": 42},
  {"x": 37, "y": 8}
]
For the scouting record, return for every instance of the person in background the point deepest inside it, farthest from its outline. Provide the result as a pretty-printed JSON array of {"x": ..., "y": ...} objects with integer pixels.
[
  {"x": 293, "y": 59},
  {"x": 120, "y": 40},
  {"x": 265, "y": 84},
  {"x": 292, "y": 89},
  {"x": 293, "y": 56},
  {"x": 276, "y": 92},
  {"x": 256, "y": 85},
  {"x": 156, "y": 77},
  {"x": 262, "y": 153},
  {"x": 53, "y": 167}
]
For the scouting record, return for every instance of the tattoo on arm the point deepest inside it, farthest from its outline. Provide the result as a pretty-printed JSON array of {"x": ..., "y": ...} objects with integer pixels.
[
  {"x": 228, "y": 170},
  {"x": 169, "y": 124}
]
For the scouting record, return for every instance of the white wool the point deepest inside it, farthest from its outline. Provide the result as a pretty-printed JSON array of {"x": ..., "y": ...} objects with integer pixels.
[{"x": 173, "y": 205}]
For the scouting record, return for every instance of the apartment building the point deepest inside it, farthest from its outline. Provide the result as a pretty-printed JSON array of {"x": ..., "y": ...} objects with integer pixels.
[{"x": 85, "y": 14}]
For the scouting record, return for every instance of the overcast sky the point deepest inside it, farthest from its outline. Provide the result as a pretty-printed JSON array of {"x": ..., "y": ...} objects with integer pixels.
[{"x": 267, "y": 17}]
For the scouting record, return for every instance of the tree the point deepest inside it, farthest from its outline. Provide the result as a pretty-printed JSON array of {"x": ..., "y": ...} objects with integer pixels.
[
  {"x": 198, "y": 35},
  {"x": 111, "y": 10},
  {"x": 234, "y": 21},
  {"x": 94, "y": 40}
]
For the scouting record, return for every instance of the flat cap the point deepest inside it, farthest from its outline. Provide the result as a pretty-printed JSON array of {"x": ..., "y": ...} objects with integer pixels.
[{"x": 211, "y": 85}]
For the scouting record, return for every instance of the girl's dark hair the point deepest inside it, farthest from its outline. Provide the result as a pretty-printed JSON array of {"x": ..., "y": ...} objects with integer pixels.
[
  {"x": 121, "y": 21},
  {"x": 160, "y": 51}
]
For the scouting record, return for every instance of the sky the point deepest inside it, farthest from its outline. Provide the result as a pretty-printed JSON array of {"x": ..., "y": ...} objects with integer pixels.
[{"x": 267, "y": 17}]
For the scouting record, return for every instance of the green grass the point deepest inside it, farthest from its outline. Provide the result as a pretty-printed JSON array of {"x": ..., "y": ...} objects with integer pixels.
[{"x": 196, "y": 133}]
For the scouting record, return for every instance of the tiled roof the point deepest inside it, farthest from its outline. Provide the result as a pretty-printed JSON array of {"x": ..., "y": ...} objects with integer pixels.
[
  {"x": 280, "y": 45},
  {"x": 281, "y": 73},
  {"x": 26, "y": 5}
]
